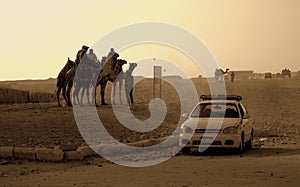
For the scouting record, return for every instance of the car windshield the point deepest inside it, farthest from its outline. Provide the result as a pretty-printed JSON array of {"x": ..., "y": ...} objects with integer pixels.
[{"x": 218, "y": 110}]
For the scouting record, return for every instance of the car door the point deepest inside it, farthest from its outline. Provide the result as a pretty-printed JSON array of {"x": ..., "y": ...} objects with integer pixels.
[{"x": 246, "y": 122}]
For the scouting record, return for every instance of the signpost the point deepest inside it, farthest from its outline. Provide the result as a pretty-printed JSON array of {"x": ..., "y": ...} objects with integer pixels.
[{"x": 157, "y": 80}]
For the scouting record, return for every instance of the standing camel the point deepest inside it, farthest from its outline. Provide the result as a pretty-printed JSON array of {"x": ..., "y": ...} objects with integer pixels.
[
  {"x": 84, "y": 76},
  {"x": 109, "y": 74},
  {"x": 82, "y": 80},
  {"x": 129, "y": 81},
  {"x": 219, "y": 74},
  {"x": 69, "y": 82},
  {"x": 61, "y": 80}
]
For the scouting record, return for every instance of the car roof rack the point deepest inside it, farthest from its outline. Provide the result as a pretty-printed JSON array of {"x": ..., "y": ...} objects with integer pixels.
[{"x": 221, "y": 97}]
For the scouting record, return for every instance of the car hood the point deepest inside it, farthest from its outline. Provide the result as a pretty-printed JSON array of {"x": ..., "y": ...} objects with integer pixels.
[{"x": 211, "y": 123}]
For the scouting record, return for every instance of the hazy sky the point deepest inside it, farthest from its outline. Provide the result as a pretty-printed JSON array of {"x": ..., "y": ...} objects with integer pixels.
[{"x": 37, "y": 36}]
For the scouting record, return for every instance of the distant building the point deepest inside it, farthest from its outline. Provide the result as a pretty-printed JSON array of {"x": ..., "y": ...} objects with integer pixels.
[
  {"x": 173, "y": 77},
  {"x": 258, "y": 76},
  {"x": 242, "y": 75},
  {"x": 296, "y": 75}
]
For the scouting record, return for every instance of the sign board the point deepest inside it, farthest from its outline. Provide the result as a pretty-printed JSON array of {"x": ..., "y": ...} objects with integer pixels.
[
  {"x": 157, "y": 80},
  {"x": 157, "y": 72}
]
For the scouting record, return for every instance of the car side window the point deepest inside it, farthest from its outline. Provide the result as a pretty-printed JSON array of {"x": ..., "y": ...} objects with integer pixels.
[
  {"x": 244, "y": 110},
  {"x": 241, "y": 110}
]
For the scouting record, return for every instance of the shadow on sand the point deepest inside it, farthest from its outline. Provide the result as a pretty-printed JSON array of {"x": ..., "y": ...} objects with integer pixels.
[{"x": 254, "y": 152}]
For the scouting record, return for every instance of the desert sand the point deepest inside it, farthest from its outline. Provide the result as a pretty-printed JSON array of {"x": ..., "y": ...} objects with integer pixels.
[{"x": 274, "y": 160}]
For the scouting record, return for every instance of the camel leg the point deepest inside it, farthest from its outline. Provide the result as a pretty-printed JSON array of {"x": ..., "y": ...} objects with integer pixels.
[
  {"x": 64, "y": 94},
  {"x": 69, "y": 87},
  {"x": 103, "y": 85},
  {"x": 75, "y": 94},
  {"x": 74, "y": 97},
  {"x": 85, "y": 90},
  {"x": 88, "y": 95},
  {"x": 127, "y": 94},
  {"x": 82, "y": 95},
  {"x": 59, "y": 85},
  {"x": 120, "y": 91},
  {"x": 95, "y": 90},
  {"x": 114, "y": 92},
  {"x": 131, "y": 95},
  {"x": 57, "y": 95},
  {"x": 93, "y": 95}
]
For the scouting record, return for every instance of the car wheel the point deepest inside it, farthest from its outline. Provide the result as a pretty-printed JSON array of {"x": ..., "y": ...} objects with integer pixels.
[
  {"x": 240, "y": 149},
  {"x": 249, "y": 143},
  {"x": 185, "y": 151}
]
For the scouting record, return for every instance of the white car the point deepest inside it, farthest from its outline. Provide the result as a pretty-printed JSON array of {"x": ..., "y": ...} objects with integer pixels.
[{"x": 220, "y": 121}]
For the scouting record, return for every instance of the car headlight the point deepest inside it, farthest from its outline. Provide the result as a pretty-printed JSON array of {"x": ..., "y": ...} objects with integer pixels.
[
  {"x": 186, "y": 129},
  {"x": 231, "y": 130}
]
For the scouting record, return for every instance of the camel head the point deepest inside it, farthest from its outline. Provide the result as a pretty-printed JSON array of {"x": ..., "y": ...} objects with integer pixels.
[
  {"x": 131, "y": 68},
  {"x": 132, "y": 65},
  {"x": 115, "y": 56},
  {"x": 69, "y": 60},
  {"x": 120, "y": 63}
]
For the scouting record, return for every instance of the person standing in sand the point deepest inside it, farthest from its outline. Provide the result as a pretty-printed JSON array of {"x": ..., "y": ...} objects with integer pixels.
[{"x": 232, "y": 76}]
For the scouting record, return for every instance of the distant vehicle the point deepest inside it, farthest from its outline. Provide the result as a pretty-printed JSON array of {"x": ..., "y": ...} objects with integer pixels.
[
  {"x": 236, "y": 131},
  {"x": 268, "y": 75}
]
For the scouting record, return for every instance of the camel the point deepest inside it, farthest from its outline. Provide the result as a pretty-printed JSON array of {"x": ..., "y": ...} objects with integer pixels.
[
  {"x": 109, "y": 74},
  {"x": 219, "y": 74},
  {"x": 129, "y": 81},
  {"x": 69, "y": 82},
  {"x": 61, "y": 80},
  {"x": 83, "y": 80}
]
